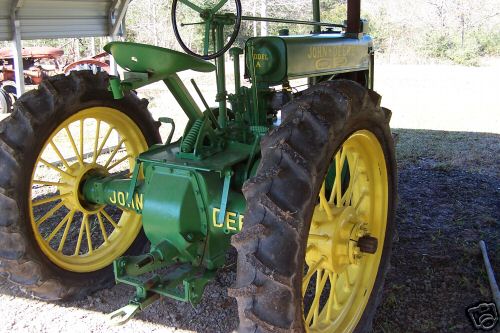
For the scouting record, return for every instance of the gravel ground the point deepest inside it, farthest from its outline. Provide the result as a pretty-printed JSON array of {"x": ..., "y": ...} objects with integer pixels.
[{"x": 449, "y": 199}]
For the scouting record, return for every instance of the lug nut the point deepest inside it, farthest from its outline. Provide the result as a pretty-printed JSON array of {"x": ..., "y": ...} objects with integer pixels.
[{"x": 368, "y": 244}]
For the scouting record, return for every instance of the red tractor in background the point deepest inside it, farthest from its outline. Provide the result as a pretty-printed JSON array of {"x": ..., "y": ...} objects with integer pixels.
[{"x": 40, "y": 62}]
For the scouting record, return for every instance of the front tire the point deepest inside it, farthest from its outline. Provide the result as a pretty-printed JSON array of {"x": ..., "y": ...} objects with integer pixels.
[
  {"x": 51, "y": 242},
  {"x": 303, "y": 261}
]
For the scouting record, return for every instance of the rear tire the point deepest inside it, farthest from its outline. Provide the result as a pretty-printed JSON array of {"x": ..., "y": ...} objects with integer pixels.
[
  {"x": 275, "y": 245},
  {"x": 5, "y": 101},
  {"x": 25, "y": 255}
]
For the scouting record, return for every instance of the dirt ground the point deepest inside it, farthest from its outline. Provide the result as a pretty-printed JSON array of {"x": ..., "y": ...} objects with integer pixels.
[{"x": 449, "y": 198}]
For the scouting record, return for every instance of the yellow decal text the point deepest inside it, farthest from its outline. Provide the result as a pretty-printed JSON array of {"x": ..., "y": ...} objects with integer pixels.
[
  {"x": 232, "y": 221},
  {"x": 121, "y": 198}
]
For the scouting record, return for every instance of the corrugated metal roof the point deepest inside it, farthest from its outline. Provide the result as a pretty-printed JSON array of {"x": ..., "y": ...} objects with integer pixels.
[{"x": 57, "y": 18}]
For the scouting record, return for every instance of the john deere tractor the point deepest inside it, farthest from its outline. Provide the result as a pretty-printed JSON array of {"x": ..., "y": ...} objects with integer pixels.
[{"x": 301, "y": 182}]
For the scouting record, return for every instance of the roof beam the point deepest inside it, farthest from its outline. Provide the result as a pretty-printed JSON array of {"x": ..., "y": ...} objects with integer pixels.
[
  {"x": 16, "y": 4},
  {"x": 117, "y": 14}
]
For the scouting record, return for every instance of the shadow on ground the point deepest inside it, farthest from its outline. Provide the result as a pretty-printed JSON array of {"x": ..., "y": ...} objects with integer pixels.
[{"x": 449, "y": 199}]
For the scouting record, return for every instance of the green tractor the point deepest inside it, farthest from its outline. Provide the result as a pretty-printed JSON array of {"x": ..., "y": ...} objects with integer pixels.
[{"x": 301, "y": 183}]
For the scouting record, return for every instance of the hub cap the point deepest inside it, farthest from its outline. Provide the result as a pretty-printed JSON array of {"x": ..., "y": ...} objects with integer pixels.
[
  {"x": 338, "y": 275},
  {"x": 76, "y": 235}
]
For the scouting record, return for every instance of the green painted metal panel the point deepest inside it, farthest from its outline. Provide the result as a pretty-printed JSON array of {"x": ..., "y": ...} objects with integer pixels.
[
  {"x": 275, "y": 59},
  {"x": 267, "y": 57},
  {"x": 326, "y": 54},
  {"x": 234, "y": 153},
  {"x": 154, "y": 60},
  {"x": 171, "y": 209},
  {"x": 114, "y": 192}
]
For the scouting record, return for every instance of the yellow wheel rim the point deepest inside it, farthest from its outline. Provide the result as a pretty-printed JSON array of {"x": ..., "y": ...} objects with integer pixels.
[
  {"x": 338, "y": 277},
  {"x": 76, "y": 236}
]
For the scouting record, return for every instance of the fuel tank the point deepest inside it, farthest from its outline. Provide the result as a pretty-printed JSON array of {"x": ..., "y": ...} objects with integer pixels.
[{"x": 274, "y": 59}]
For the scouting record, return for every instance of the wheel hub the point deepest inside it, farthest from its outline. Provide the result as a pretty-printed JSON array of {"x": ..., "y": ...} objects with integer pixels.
[
  {"x": 333, "y": 241},
  {"x": 73, "y": 181}
]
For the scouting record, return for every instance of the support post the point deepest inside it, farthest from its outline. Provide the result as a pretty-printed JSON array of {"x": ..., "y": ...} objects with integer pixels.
[
  {"x": 182, "y": 96},
  {"x": 263, "y": 13},
  {"x": 116, "y": 15},
  {"x": 353, "y": 16},
  {"x": 17, "y": 47},
  {"x": 316, "y": 15},
  {"x": 18, "y": 59},
  {"x": 113, "y": 67}
]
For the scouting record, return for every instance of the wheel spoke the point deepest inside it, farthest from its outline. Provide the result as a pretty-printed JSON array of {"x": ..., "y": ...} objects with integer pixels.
[
  {"x": 324, "y": 203},
  {"x": 58, "y": 153},
  {"x": 58, "y": 227},
  {"x": 309, "y": 274},
  {"x": 118, "y": 162},
  {"x": 50, "y": 199},
  {"x": 219, "y": 6},
  {"x": 45, "y": 183},
  {"x": 320, "y": 238},
  {"x": 191, "y": 5},
  {"x": 108, "y": 133},
  {"x": 81, "y": 137},
  {"x": 47, "y": 164},
  {"x": 336, "y": 192},
  {"x": 338, "y": 179},
  {"x": 320, "y": 285},
  {"x": 109, "y": 218},
  {"x": 49, "y": 213},
  {"x": 332, "y": 298},
  {"x": 117, "y": 148},
  {"x": 347, "y": 282},
  {"x": 80, "y": 236},
  {"x": 347, "y": 197},
  {"x": 66, "y": 231},
  {"x": 359, "y": 200},
  {"x": 96, "y": 140},
  {"x": 73, "y": 145},
  {"x": 101, "y": 225},
  {"x": 318, "y": 294},
  {"x": 89, "y": 235}
]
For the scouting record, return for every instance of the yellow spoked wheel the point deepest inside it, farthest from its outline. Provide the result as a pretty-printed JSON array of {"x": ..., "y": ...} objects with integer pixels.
[
  {"x": 75, "y": 235},
  {"x": 348, "y": 224},
  {"x": 316, "y": 243},
  {"x": 55, "y": 243}
]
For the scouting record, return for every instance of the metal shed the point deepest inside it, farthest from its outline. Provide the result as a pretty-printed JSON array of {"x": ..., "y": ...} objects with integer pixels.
[{"x": 41, "y": 19}]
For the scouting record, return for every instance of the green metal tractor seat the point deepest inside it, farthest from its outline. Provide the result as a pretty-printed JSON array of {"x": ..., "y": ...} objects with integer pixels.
[{"x": 148, "y": 63}]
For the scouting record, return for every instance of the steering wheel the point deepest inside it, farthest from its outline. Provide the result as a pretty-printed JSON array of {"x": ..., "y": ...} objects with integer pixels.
[{"x": 210, "y": 18}]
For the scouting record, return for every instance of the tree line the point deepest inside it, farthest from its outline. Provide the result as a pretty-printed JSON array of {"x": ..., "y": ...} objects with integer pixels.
[{"x": 456, "y": 31}]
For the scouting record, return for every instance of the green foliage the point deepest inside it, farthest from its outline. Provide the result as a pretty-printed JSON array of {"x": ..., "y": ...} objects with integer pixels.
[
  {"x": 333, "y": 11},
  {"x": 458, "y": 31},
  {"x": 467, "y": 55},
  {"x": 437, "y": 45},
  {"x": 380, "y": 29},
  {"x": 488, "y": 42},
  {"x": 445, "y": 46},
  {"x": 468, "y": 31}
]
